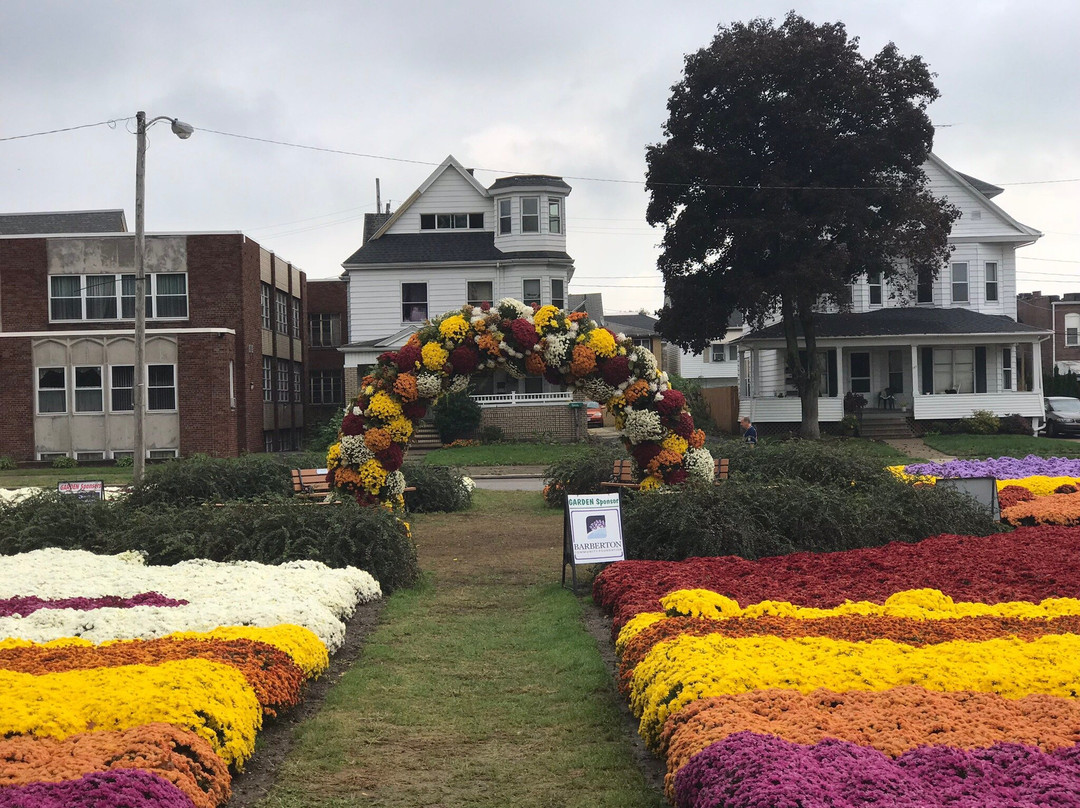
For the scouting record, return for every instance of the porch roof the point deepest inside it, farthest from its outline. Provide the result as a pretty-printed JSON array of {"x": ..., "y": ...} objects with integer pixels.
[{"x": 911, "y": 321}]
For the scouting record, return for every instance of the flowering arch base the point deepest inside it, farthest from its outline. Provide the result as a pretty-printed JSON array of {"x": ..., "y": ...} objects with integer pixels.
[{"x": 566, "y": 348}]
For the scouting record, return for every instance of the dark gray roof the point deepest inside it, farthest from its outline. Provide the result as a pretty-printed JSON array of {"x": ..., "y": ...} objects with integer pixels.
[
  {"x": 984, "y": 188},
  {"x": 425, "y": 248},
  {"x": 591, "y": 303},
  {"x": 528, "y": 180},
  {"x": 372, "y": 222},
  {"x": 75, "y": 221},
  {"x": 905, "y": 321},
  {"x": 631, "y": 324}
]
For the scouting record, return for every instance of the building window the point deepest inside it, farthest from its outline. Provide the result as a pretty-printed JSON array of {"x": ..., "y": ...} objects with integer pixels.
[
  {"x": 282, "y": 381},
  {"x": 88, "y": 389},
  {"x": 160, "y": 387},
  {"x": 954, "y": 369},
  {"x": 325, "y": 330},
  {"x": 478, "y": 292},
  {"x": 924, "y": 287},
  {"x": 874, "y": 279},
  {"x": 267, "y": 321},
  {"x": 326, "y": 387},
  {"x": 91, "y": 456},
  {"x": 530, "y": 291},
  {"x": 644, "y": 342},
  {"x": 1006, "y": 369},
  {"x": 127, "y": 297},
  {"x": 232, "y": 385},
  {"x": 413, "y": 302},
  {"x": 122, "y": 388},
  {"x": 162, "y": 454},
  {"x": 733, "y": 353},
  {"x": 530, "y": 214},
  {"x": 859, "y": 363},
  {"x": 268, "y": 441},
  {"x": 170, "y": 295},
  {"x": 504, "y": 217},
  {"x": 558, "y": 293},
  {"x": 295, "y": 317},
  {"x": 451, "y": 221},
  {"x": 716, "y": 354},
  {"x": 52, "y": 390},
  {"x": 896, "y": 372},
  {"x": 991, "y": 282},
  {"x": 268, "y": 378},
  {"x": 554, "y": 216},
  {"x": 297, "y": 381},
  {"x": 960, "y": 283},
  {"x": 65, "y": 292},
  {"x": 100, "y": 297},
  {"x": 1072, "y": 330},
  {"x": 282, "y": 311}
]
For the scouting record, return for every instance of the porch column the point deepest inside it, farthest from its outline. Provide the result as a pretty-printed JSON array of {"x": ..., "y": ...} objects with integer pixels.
[
  {"x": 755, "y": 382},
  {"x": 916, "y": 375},
  {"x": 1036, "y": 367}
]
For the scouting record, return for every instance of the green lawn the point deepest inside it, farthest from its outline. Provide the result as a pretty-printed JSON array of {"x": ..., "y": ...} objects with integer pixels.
[
  {"x": 983, "y": 446},
  {"x": 506, "y": 454},
  {"x": 49, "y": 477}
]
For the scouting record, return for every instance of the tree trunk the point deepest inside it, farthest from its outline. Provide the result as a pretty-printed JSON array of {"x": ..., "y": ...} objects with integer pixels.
[{"x": 804, "y": 369}]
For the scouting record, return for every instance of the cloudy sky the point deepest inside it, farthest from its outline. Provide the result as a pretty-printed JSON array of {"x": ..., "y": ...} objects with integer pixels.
[{"x": 561, "y": 87}]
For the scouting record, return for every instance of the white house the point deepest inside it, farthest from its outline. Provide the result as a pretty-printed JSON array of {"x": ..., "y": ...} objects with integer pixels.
[
  {"x": 454, "y": 242},
  {"x": 950, "y": 348},
  {"x": 718, "y": 364}
]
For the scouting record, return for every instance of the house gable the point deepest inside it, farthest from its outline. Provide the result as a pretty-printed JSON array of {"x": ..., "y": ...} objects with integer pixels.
[
  {"x": 450, "y": 188},
  {"x": 981, "y": 219}
]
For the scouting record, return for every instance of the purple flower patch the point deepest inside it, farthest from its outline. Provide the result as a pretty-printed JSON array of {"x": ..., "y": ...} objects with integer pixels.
[
  {"x": 121, "y": 788},
  {"x": 747, "y": 770},
  {"x": 1003, "y": 468},
  {"x": 22, "y": 606}
]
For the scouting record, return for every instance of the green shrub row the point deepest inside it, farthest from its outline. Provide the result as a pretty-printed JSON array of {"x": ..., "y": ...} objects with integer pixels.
[
  {"x": 438, "y": 488},
  {"x": 337, "y": 535}
]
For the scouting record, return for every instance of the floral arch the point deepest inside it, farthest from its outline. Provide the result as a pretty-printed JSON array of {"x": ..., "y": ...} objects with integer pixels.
[{"x": 567, "y": 349}]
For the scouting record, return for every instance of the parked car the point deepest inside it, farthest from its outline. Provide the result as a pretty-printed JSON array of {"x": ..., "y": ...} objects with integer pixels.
[
  {"x": 595, "y": 413},
  {"x": 1062, "y": 416}
]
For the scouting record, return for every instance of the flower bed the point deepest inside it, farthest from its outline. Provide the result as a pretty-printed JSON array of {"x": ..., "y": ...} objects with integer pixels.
[
  {"x": 125, "y": 684},
  {"x": 938, "y": 673},
  {"x": 1003, "y": 468},
  {"x": 1056, "y": 509}
]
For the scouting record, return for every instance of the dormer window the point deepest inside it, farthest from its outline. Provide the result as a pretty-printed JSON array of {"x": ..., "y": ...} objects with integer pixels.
[
  {"x": 530, "y": 214},
  {"x": 554, "y": 215},
  {"x": 451, "y": 221},
  {"x": 504, "y": 217}
]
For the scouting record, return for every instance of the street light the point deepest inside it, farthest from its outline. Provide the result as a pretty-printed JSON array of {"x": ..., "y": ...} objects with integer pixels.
[{"x": 183, "y": 131}]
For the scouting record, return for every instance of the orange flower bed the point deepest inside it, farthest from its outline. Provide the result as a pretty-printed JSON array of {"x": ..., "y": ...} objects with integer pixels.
[
  {"x": 854, "y": 628},
  {"x": 178, "y": 755},
  {"x": 891, "y": 721},
  {"x": 1056, "y": 509},
  {"x": 272, "y": 674}
]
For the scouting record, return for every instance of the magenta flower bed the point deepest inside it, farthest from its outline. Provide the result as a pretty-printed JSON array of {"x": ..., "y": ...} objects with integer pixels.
[
  {"x": 1003, "y": 468},
  {"x": 1031, "y": 563},
  {"x": 121, "y": 788},
  {"x": 22, "y": 606},
  {"x": 747, "y": 770}
]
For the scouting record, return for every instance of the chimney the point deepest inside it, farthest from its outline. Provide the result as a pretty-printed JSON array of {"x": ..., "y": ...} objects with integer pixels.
[{"x": 378, "y": 196}]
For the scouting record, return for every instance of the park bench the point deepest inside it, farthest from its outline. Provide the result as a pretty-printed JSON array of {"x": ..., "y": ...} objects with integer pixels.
[
  {"x": 311, "y": 484},
  {"x": 624, "y": 474}
]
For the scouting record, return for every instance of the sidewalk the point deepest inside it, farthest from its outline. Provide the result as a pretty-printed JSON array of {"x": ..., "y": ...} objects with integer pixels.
[{"x": 914, "y": 447}]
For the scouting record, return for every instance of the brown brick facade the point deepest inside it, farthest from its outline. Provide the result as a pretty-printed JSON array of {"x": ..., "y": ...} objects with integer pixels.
[
  {"x": 208, "y": 421},
  {"x": 557, "y": 422},
  {"x": 17, "y": 399},
  {"x": 1049, "y": 312}
]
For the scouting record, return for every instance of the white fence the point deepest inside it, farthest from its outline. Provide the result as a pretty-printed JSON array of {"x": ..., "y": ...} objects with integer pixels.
[{"x": 524, "y": 399}]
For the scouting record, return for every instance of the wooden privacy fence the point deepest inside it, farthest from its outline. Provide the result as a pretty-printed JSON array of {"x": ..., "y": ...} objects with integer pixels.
[{"x": 724, "y": 405}]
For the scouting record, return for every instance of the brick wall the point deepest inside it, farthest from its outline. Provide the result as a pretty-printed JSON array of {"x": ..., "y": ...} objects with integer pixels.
[
  {"x": 557, "y": 422},
  {"x": 17, "y": 399},
  {"x": 208, "y": 424},
  {"x": 24, "y": 285}
]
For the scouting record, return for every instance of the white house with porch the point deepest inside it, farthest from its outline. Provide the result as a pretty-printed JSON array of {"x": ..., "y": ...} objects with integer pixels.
[{"x": 950, "y": 347}]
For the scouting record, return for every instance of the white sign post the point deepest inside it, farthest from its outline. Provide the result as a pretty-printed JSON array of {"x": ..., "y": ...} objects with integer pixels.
[{"x": 592, "y": 531}]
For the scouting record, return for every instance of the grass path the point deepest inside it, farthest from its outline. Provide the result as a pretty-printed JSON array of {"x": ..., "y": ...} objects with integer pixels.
[{"x": 480, "y": 688}]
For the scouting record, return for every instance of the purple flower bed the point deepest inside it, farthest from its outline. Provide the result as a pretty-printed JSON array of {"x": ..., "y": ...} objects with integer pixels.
[
  {"x": 22, "y": 606},
  {"x": 1003, "y": 468},
  {"x": 121, "y": 788},
  {"x": 747, "y": 770}
]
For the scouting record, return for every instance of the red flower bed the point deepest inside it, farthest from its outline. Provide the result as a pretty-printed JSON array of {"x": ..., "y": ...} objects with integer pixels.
[{"x": 1031, "y": 563}]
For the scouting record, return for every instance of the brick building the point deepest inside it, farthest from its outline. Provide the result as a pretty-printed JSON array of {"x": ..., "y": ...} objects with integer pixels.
[
  {"x": 224, "y": 341},
  {"x": 1060, "y": 315},
  {"x": 328, "y": 327}
]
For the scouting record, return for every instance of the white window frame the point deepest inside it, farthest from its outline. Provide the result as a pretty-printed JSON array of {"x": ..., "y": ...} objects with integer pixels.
[
  {"x": 297, "y": 382},
  {"x": 282, "y": 381},
  {"x": 38, "y": 389},
  {"x": 865, "y": 382},
  {"x": 68, "y": 297},
  {"x": 473, "y": 300},
  {"x": 558, "y": 300},
  {"x": 1072, "y": 330},
  {"x": 295, "y": 304},
  {"x": 76, "y": 389},
  {"x": 554, "y": 219},
  {"x": 153, "y": 298},
  {"x": 506, "y": 217},
  {"x": 113, "y": 387},
  {"x": 1006, "y": 368},
  {"x": 992, "y": 283},
  {"x": 875, "y": 281},
  {"x": 281, "y": 311},
  {"x": 267, "y": 307},
  {"x": 530, "y": 216},
  {"x": 83, "y": 457},
  {"x": 732, "y": 352},
  {"x": 159, "y": 297},
  {"x": 426, "y": 303},
  {"x": 717, "y": 352},
  {"x": 928, "y": 286},
  {"x": 232, "y": 385},
  {"x": 539, "y": 298},
  {"x": 955, "y": 382},
  {"x": 268, "y": 379},
  {"x": 51, "y": 455},
  {"x": 954, "y": 268},
  {"x": 176, "y": 393},
  {"x": 162, "y": 454}
]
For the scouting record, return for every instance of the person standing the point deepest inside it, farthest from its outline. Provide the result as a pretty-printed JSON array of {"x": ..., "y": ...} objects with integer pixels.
[{"x": 749, "y": 431}]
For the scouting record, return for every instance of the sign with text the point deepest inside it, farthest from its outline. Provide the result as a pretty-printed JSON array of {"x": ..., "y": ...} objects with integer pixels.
[
  {"x": 595, "y": 522},
  {"x": 86, "y": 490}
]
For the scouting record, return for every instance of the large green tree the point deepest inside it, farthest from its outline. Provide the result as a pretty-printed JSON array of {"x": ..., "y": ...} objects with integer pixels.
[{"x": 791, "y": 166}]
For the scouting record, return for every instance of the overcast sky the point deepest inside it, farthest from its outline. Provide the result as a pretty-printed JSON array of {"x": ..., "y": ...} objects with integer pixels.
[{"x": 576, "y": 89}]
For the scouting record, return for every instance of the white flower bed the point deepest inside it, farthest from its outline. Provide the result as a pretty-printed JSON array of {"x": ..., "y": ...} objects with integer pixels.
[{"x": 305, "y": 593}]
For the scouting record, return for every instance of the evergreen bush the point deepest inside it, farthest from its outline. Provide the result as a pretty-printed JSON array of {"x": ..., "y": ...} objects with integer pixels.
[
  {"x": 581, "y": 474},
  {"x": 438, "y": 488},
  {"x": 199, "y": 478},
  {"x": 456, "y": 416}
]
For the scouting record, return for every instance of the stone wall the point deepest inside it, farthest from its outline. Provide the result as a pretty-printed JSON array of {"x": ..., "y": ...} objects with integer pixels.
[{"x": 556, "y": 422}]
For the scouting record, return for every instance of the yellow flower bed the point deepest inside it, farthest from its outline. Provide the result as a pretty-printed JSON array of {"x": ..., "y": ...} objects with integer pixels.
[
  {"x": 685, "y": 669},
  {"x": 1040, "y": 486},
  {"x": 301, "y": 644},
  {"x": 213, "y": 700},
  {"x": 635, "y": 625},
  {"x": 454, "y": 327}
]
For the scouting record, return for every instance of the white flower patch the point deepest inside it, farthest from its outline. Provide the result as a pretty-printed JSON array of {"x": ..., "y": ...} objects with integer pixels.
[
  {"x": 354, "y": 451},
  {"x": 557, "y": 349},
  {"x": 428, "y": 385},
  {"x": 699, "y": 464},
  {"x": 458, "y": 384},
  {"x": 597, "y": 389},
  {"x": 519, "y": 307},
  {"x": 306, "y": 593},
  {"x": 468, "y": 484},
  {"x": 395, "y": 484},
  {"x": 642, "y": 425},
  {"x": 642, "y": 362}
]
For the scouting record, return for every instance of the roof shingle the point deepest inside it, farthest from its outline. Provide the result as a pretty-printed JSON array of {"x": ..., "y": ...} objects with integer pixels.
[
  {"x": 904, "y": 322},
  {"x": 55, "y": 222},
  {"x": 431, "y": 248}
]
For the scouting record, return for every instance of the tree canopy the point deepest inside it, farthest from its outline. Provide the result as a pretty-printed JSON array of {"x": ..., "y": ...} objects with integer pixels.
[{"x": 791, "y": 166}]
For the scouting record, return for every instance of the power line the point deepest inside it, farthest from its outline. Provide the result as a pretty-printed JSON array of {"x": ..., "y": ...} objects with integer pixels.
[{"x": 110, "y": 123}]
